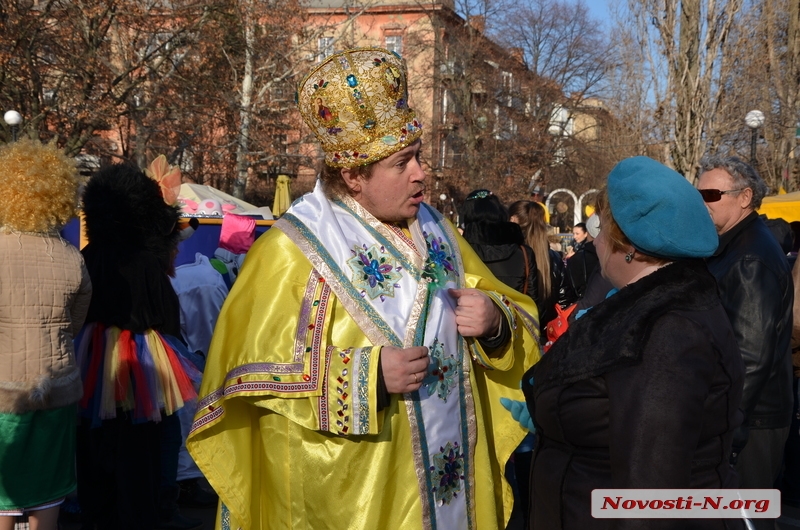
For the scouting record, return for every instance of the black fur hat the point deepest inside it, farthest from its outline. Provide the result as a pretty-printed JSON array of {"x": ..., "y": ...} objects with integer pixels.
[{"x": 124, "y": 209}]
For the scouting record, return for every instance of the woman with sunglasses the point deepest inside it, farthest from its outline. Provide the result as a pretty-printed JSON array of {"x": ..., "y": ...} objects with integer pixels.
[{"x": 643, "y": 389}]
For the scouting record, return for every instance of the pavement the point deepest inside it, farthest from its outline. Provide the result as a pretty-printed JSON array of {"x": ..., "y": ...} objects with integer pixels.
[
  {"x": 789, "y": 519},
  {"x": 206, "y": 515}
]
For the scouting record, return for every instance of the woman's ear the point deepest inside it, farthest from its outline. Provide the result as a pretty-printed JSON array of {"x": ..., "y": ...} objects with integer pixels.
[{"x": 352, "y": 179}]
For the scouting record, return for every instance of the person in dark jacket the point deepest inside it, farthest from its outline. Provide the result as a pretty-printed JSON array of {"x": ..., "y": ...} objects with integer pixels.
[
  {"x": 643, "y": 390},
  {"x": 581, "y": 266},
  {"x": 755, "y": 284},
  {"x": 499, "y": 243}
]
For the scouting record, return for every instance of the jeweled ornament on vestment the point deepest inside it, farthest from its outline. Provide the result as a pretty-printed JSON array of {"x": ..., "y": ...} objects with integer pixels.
[
  {"x": 375, "y": 273},
  {"x": 439, "y": 267},
  {"x": 447, "y": 473},
  {"x": 441, "y": 377}
]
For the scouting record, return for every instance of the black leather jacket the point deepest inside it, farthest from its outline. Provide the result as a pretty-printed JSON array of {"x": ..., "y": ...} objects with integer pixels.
[{"x": 755, "y": 286}]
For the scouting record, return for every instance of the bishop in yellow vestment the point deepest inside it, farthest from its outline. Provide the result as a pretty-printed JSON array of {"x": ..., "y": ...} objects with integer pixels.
[{"x": 300, "y": 425}]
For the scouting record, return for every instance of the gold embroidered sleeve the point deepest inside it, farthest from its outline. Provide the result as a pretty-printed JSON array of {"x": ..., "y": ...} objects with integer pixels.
[{"x": 276, "y": 346}]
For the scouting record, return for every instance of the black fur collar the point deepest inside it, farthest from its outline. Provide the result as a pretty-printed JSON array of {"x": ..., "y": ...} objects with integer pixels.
[{"x": 614, "y": 332}]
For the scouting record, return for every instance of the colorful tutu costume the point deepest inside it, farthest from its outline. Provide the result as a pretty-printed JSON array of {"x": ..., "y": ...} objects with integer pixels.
[{"x": 143, "y": 373}]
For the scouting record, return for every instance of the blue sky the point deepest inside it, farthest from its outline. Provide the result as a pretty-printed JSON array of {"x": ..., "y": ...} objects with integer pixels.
[{"x": 599, "y": 9}]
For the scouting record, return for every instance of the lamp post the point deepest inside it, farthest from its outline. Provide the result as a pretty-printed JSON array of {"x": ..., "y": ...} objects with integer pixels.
[
  {"x": 754, "y": 119},
  {"x": 13, "y": 119}
]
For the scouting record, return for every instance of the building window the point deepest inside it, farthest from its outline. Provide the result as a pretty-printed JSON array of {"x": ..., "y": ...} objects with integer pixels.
[
  {"x": 324, "y": 48},
  {"x": 561, "y": 121},
  {"x": 394, "y": 43},
  {"x": 508, "y": 80},
  {"x": 508, "y": 86}
]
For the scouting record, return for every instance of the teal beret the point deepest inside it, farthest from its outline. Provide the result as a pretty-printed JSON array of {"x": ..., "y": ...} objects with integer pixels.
[{"x": 659, "y": 211}]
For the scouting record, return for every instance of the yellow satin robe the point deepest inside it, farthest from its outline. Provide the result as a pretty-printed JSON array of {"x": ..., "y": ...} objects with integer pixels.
[{"x": 266, "y": 456}]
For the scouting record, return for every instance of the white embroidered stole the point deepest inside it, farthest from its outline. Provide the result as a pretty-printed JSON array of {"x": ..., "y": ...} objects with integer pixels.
[{"x": 399, "y": 297}]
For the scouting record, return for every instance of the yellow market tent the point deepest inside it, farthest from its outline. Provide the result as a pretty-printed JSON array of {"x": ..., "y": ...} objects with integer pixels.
[{"x": 785, "y": 206}]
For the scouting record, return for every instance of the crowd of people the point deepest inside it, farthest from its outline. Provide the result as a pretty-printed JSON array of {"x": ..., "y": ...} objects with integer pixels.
[{"x": 365, "y": 364}]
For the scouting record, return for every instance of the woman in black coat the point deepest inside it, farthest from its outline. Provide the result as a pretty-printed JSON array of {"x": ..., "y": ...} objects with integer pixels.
[
  {"x": 498, "y": 242},
  {"x": 643, "y": 389}
]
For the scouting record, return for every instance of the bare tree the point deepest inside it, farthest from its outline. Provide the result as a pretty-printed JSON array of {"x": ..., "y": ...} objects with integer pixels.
[
  {"x": 491, "y": 114},
  {"x": 762, "y": 72},
  {"x": 570, "y": 55},
  {"x": 76, "y": 68},
  {"x": 559, "y": 41},
  {"x": 683, "y": 47}
]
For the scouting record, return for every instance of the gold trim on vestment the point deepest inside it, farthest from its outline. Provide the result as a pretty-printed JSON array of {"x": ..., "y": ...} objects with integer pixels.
[{"x": 364, "y": 323}]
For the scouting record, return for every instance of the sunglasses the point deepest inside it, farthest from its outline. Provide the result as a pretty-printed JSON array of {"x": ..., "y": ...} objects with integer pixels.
[{"x": 712, "y": 195}]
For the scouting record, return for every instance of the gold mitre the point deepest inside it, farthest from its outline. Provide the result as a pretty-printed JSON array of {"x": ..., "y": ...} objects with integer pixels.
[{"x": 356, "y": 103}]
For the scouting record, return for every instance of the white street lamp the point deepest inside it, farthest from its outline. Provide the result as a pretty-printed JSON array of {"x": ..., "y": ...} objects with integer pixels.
[
  {"x": 754, "y": 119},
  {"x": 13, "y": 119}
]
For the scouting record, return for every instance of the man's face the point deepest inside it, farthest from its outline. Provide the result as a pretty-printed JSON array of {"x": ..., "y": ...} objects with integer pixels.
[
  {"x": 732, "y": 207},
  {"x": 395, "y": 189}
]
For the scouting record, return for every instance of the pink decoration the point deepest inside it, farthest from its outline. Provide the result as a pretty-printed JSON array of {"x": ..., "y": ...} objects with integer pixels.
[{"x": 238, "y": 233}]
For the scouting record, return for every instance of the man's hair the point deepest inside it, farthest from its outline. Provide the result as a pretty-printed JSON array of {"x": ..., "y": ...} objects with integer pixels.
[
  {"x": 333, "y": 182},
  {"x": 743, "y": 174}
]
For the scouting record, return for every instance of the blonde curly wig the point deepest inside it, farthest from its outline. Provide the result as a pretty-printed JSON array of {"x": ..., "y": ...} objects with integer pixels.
[{"x": 38, "y": 187}]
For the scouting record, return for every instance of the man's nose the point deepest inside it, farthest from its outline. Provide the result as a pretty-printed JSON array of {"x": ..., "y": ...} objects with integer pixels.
[{"x": 418, "y": 174}]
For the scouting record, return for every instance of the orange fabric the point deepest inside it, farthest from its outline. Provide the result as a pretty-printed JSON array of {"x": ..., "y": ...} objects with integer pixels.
[{"x": 559, "y": 325}]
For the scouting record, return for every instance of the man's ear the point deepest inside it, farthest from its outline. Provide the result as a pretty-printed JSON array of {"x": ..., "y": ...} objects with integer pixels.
[
  {"x": 352, "y": 179},
  {"x": 746, "y": 198}
]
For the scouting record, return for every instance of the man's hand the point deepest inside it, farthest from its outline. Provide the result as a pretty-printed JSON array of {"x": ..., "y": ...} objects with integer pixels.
[
  {"x": 404, "y": 369},
  {"x": 476, "y": 314}
]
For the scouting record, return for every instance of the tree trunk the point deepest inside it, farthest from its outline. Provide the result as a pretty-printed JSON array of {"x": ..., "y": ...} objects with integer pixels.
[{"x": 242, "y": 147}]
